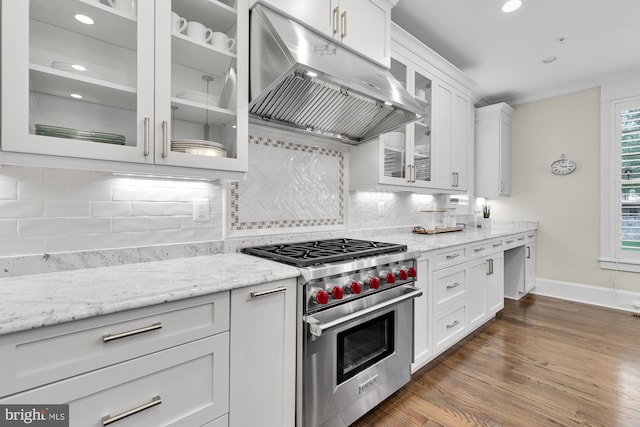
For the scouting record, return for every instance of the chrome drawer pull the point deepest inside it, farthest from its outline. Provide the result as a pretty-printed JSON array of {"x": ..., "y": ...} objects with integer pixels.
[
  {"x": 268, "y": 292},
  {"x": 520, "y": 238},
  {"x": 510, "y": 241},
  {"x": 152, "y": 327},
  {"x": 453, "y": 324},
  {"x": 106, "y": 420},
  {"x": 495, "y": 245},
  {"x": 455, "y": 285},
  {"x": 479, "y": 249},
  {"x": 453, "y": 256}
]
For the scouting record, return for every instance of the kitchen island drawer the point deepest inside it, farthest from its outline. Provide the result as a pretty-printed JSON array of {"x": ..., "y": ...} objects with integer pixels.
[
  {"x": 449, "y": 326},
  {"x": 513, "y": 241},
  {"x": 44, "y": 355},
  {"x": 187, "y": 385},
  {"x": 449, "y": 287},
  {"x": 449, "y": 256},
  {"x": 485, "y": 248}
]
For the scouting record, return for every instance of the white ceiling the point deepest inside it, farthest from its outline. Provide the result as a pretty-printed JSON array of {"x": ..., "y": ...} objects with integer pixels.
[{"x": 502, "y": 53}]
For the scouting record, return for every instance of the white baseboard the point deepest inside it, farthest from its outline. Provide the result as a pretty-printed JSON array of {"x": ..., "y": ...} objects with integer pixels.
[{"x": 588, "y": 294}]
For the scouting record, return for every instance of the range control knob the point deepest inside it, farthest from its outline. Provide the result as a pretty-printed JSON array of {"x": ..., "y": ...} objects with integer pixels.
[
  {"x": 356, "y": 287},
  {"x": 373, "y": 282},
  {"x": 320, "y": 296},
  {"x": 401, "y": 273},
  {"x": 336, "y": 292},
  {"x": 391, "y": 278},
  {"x": 412, "y": 272}
]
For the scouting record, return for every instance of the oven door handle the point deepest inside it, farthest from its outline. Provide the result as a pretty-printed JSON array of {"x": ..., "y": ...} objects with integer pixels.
[{"x": 317, "y": 327}]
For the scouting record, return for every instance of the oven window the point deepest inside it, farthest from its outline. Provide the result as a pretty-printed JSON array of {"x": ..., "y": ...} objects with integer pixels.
[{"x": 364, "y": 345}]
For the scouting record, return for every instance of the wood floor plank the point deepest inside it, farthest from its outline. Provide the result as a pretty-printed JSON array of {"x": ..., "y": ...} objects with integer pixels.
[{"x": 541, "y": 362}]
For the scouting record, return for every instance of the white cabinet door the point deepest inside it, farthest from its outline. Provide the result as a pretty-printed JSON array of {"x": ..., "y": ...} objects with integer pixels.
[
  {"x": 495, "y": 284},
  {"x": 443, "y": 96},
  {"x": 477, "y": 292},
  {"x": 493, "y": 150},
  {"x": 529, "y": 266},
  {"x": 460, "y": 137},
  {"x": 422, "y": 317},
  {"x": 77, "y": 89},
  {"x": 318, "y": 14},
  {"x": 365, "y": 26},
  {"x": 263, "y": 355},
  {"x": 505, "y": 156}
]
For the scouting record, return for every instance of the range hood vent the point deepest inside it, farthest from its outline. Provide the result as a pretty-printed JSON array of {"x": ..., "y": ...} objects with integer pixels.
[{"x": 302, "y": 80}]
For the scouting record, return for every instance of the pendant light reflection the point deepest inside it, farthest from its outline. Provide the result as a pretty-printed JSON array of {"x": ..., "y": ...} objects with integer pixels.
[{"x": 511, "y": 5}]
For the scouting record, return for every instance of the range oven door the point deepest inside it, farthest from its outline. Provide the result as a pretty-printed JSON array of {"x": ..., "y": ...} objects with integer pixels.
[{"x": 357, "y": 355}]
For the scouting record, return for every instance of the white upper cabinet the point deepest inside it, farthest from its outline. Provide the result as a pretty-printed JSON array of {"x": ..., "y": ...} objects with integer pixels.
[
  {"x": 82, "y": 79},
  {"x": 493, "y": 150},
  {"x": 363, "y": 25}
]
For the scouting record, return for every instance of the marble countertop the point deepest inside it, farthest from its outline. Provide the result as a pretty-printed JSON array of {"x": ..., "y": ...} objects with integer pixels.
[
  {"x": 37, "y": 300},
  {"x": 429, "y": 242}
]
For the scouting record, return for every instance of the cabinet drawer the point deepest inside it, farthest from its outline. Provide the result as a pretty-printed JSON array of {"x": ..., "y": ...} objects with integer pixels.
[
  {"x": 449, "y": 256},
  {"x": 449, "y": 287},
  {"x": 483, "y": 248},
  {"x": 52, "y": 353},
  {"x": 191, "y": 382},
  {"x": 513, "y": 241},
  {"x": 530, "y": 236},
  {"x": 449, "y": 326}
]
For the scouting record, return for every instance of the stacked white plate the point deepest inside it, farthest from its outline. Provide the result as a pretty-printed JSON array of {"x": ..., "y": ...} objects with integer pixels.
[
  {"x": 198, "y": 146},
  {"x": 200, "y": 97}
]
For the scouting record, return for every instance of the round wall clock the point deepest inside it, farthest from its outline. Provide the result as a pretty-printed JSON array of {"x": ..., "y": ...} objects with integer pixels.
[{"x": 563, "y": 166}]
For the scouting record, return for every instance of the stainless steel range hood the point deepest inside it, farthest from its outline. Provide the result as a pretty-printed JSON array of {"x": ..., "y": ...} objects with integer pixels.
[{"x": 305, "y": 81}]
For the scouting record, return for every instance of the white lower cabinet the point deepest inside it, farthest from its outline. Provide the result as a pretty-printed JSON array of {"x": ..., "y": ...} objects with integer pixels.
[
  {"x": 422, "y": 316},
  {"x": 263, "y": 326}
]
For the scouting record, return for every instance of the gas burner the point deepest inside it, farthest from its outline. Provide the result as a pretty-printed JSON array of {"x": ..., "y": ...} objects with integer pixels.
[{"x": 305, "y": 254}]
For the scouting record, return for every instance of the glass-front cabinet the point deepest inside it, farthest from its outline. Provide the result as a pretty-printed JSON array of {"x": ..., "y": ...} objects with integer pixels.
[{"x": 145, "y": 82}]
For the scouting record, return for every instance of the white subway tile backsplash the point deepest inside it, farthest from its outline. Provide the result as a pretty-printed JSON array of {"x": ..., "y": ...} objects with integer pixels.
[
  {"x": 41, "y": 191},
  {"x": 177, "y": 194},
  {"x": 21, "y": 208},
  {"x": 21, "y": 246},
  {"x": 162, "y": 237},
  {"x": 165, "y": 223},
  {"x": 43, "y": 227},
  {"x": 67, "y": 208},
  {"x": 122, "y": 225},
  {"x": 8, "y": 228},
  {"x": 90, "y": 192},
  {"x": 67, "y": 243},
  {"x": 100, "y": 208},
  {"x": 130, "y": 193},
  {"x": 89, "y": 225},
  {"x": 204, "y": 234},
  {"x": 161, "y": 208},
  {"x": 8, "y": 190},
  {"x": 110, "y": 240}
]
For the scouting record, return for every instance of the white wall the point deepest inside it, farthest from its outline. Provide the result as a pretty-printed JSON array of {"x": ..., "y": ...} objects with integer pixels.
[{"x": 567, "y": 208}]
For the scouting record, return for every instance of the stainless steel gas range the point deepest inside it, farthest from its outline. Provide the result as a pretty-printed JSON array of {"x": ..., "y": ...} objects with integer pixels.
[{"x": 355, "y": 325}]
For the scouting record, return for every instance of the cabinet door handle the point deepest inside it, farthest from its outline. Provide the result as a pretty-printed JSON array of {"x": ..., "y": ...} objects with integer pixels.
[
  {"x": 336, "y": 17},
  {"x": 502, "y": 186},
  {"x": 453, "y": 285},
  {"x": 343, "y": 24},
  {"x": 164, "y": 138},
  {"x": 528, "y": 251},
  {"x": 479, "y": 249},
  {"x": 490, "y": 264},
  {"x": 106, "y": 420},
  {"x": 408, "y": 173},
  {"x": 113, "y": 337},
  {"x": 414, "y": 173},
  {"x": 453, "y": 324},
  {"x": 146, "y": 135},
  {"x": 510, "y": 241},
  {"x": 268, "y": 292},
  {"x": 520, "y": 238},
  {"x": 495, "y": 245},
  {"x": 453, "y": 256},
  {"x": 531, "y": 236}
]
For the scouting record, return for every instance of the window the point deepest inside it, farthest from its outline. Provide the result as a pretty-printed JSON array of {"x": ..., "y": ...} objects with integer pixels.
[{"x": 620, "y": 176}]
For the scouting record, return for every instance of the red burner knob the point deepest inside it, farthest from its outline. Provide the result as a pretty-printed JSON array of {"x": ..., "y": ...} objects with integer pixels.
[
  {"x": 391, "y": 278},
  {"x": 374, "y": 283},
  {"x": 403, "y": 274},
  {"x": 337, "y": 292},
  {"x": 320, "y": 296},
  {"x": 413, "y": 272},
  {"x": 356, "y": 287}
]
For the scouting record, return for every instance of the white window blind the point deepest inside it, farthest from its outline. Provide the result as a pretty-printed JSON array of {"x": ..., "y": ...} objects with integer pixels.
[{"x": 630, "y": 179}]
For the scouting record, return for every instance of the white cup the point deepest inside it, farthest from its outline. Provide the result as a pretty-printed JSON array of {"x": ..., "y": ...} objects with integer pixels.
[
  {"x": 199, "y": 32},
  {"x": 222, "y": 41},
  {"x": 421, "y": 93},
  {"x": 124, "y": 6},
  {"x": 178, "y": 24}
]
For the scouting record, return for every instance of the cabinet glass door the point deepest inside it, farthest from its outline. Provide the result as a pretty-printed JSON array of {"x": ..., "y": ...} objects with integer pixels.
[
  {"x": 394, "y": 143},
  {"x": 196, "y": 99},
  {"x": 422, "y": 132},
  {"x": 72, "y": 77}
]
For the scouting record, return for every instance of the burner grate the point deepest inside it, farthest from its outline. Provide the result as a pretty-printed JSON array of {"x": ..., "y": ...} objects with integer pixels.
[{"x": 305, "y": 254}]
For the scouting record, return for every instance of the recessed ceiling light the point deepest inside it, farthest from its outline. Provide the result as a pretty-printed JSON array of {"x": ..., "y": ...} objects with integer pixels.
[
  {"x": 76, "y": 96},
  {"x": 79, "y": 67},
  {"x": 312, "y": 74},
  {"x": 549, "y": 60},
  {"x": 511, "y": 5},
  {"x": 84, "y": 19}
]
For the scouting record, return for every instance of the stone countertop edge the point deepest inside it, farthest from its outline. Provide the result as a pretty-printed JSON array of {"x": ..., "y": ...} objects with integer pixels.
[{"x": 39, "y": 300}]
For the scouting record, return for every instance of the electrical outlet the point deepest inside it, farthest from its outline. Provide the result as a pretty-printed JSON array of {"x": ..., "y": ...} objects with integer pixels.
[{"x": 200, "y": 210}]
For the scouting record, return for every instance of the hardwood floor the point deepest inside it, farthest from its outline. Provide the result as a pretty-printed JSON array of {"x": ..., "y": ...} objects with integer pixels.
[{"x": 541, "y": 362}]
